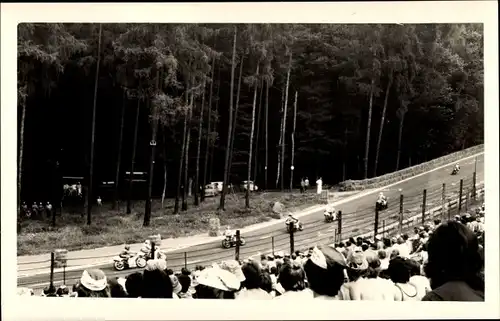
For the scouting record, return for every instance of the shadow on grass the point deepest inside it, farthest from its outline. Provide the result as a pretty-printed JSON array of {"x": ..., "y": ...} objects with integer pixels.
[{"x": 114, "y": 227}]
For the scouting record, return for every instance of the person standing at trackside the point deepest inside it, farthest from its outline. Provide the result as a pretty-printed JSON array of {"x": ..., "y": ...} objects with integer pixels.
[
  {"x": 48, "y": 209},
  {"x": 306, "y": 184},
  {"x": 319, "y": 186},
  {"x": 302, "y": 185}
]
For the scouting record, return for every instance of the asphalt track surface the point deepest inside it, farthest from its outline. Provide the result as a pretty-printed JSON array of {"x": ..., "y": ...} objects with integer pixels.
[{"x": 358, "y": 217}]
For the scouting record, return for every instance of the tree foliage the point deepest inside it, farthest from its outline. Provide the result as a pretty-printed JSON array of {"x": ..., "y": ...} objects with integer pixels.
[{"x": 435, "y": 99}]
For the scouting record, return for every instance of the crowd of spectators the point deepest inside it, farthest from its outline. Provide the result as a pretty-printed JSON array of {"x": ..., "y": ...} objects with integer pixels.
[{"x": 438, "y": 262}]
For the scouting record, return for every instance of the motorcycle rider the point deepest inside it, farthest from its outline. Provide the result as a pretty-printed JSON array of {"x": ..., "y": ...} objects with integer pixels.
[
  {"x": 146, "y": 248},
  {"x": 381, "y": 198},
  {"x": 330, "y": 211},
  {"x": 457, "y": 168},
  {"x": 126, "y": 253},
  {"x": 292, "y": 219},
  {"x": 230, "y": 234}
]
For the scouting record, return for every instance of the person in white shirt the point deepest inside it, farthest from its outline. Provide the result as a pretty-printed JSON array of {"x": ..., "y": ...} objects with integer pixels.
[
  {"x": 402, "y": 247},
  {"x": 319, "y": 186}
]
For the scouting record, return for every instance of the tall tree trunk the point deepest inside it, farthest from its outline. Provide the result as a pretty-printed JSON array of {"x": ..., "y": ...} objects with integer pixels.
[
  {"x": 90, "y": 194},
  {"x": 205, "y": 167},
  {"x": 200, "y": 129},
  {"x": 116, "y": 194},
  {"x": 132, "y": 161},
  {"x": 21, "y": 150},
  {"x": 267, "y": 138},
  {"x": 229, "y": 130},
  {"x": 281, "y": 137},
  {"x": 216, "y": 126},
  {"x": 186, "y": 157},
  {"x": 247, "y": 192},
  {"x": 181, "y": 160},
  {"x": 283, "y": 144},
  {"x": 344, "y": 156},
  {"x": 381, "y": 129},
  {"x": 256, "y": 158},
  {"x": 164, "y": 166},
  {"x": 400, "y": 137},
  {"x": 293, "y": 140},
  {"x": 368, "y": 129},
  {"x": 152, "y": 145},
  {"x": 235, "y": 117}
]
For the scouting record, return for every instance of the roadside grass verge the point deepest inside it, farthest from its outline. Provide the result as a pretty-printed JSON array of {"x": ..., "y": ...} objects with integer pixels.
[{"x": 114, "y": 227}]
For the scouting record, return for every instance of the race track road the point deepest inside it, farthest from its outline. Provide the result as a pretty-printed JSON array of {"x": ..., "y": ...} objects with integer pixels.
[{"x": 358, "y": 218}]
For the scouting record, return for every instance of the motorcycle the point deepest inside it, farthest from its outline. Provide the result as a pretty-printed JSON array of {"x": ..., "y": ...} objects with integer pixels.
[
  {"x": 381, "y": 205},
  {"x": 138, "y": 260},
  {"x": 293, "y": 226},
  {"x": 455, "y": 171},
  {"x": 230, "y": 241},
  {"x": 330, "y": 216}
]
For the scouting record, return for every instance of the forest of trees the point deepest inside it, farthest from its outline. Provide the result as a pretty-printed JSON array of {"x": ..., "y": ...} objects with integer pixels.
[{"x": 241, "y": 102}]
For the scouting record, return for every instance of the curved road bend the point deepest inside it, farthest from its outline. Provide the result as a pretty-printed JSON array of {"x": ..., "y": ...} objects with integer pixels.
[{"x": 358, "y": 218}]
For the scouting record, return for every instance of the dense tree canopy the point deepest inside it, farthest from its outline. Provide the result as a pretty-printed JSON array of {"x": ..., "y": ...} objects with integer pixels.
[{"x": 420, "y": 87}]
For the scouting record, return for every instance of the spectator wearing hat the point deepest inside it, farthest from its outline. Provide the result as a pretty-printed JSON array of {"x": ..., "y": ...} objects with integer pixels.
[
  {"x": 156, "y": 281},
  {"x": 216, "y": 283},
  {"x": 92, "y": 284},
  {"x": 252, "y": 284},
  {"x": 325, "y": 272},
  {"x": 291, "y": 282},
  {"x": 454, "y": 265},
  {"x": 134, "y": 284},
  {"x": 357, "y": 271}
]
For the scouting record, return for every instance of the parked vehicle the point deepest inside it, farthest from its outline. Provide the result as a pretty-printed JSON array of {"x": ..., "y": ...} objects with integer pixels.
[
  {"x": 214, "y": 188},
  {"x": 211, "y": 190},
  {"x": 253, "y": 187}
]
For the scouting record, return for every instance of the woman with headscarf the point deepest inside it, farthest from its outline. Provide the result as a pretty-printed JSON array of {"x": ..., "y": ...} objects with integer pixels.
[
  {"x": 325, "y": 271},
  {"x": 92, "y": 284},
  {"x": 454, "y": 265}
]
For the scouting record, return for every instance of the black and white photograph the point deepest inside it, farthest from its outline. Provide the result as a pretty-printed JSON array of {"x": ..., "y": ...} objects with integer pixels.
[{"x": 251, "y": 161}]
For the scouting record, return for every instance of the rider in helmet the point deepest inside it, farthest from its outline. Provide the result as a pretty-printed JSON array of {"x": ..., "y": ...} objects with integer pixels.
[
  {"x": 330, "y": 210},
  {"x": 457, "y": 167},
  {"x": 292, "y": 219},
  {"x": 229, "y": 233},
  {"x": 146, "y": 248},
  {"x": 381, "y": 197},
  {"x": 126, "y": 253}
]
